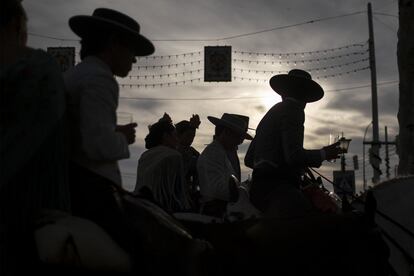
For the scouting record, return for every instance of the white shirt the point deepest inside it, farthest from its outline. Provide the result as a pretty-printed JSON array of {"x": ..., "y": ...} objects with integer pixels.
[
  {"x": 92, "y": 102},
  {"x": 214, "y": 171},
  {"x": 161, "y": 169}
]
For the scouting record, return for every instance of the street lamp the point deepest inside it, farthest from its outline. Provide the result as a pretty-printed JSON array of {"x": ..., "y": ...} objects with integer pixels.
[{"x": 344, "y": 144}]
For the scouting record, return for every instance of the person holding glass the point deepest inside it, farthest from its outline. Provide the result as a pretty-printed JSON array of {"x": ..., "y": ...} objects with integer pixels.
[
  {"x": 277, "y": 156},
  {"x": 110, "y": 42}
]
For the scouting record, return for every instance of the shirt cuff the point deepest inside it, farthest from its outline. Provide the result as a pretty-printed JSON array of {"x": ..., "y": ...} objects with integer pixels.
[{"x": 323, "y": 154}]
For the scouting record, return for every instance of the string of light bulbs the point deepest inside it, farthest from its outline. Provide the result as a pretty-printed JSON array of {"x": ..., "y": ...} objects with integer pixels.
[
  {"x": 246, "y": 70},
  {"x": 241, "y": 70},
  {"x": 302, "y": 54},
  {"x": 235, "y": 78},
  {"x": 302, "y": 61},
  {"x": 316, "y": 77},
  {"x": 176, "y": 74},
  {"x": 163, "y": 84},
  {"x": 176, "y": 56},
  {"x": 146, "y": 67}
]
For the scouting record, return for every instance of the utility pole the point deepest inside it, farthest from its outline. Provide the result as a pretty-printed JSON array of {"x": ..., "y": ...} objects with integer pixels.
[{"x": 376, "y": 160}]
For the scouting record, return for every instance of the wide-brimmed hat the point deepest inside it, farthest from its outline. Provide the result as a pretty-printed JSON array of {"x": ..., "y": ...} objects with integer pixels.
[
  {"x": 103, "y": 20},
  {"x": 235, "y": 122},
  {"x": 297, "y": 84}
]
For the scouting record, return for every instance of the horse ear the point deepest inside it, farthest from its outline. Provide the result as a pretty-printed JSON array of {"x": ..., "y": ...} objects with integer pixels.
[{"x": 234, "y": 188}]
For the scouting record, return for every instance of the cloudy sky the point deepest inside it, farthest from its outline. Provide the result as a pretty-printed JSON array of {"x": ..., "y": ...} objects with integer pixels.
[{"x": 328, "y": 38}]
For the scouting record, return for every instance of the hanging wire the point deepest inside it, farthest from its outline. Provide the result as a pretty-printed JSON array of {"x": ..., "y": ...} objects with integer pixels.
[
  {"x": 192, "y": 99},
  {"x": 264, "y": 31},
  {"x": 385, "y": 14},
  {"x": 223, "y": 38},
  {"x": 386, "y": 25}
]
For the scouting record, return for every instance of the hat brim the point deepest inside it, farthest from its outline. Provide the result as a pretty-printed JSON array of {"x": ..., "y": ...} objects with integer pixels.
[
  {"x": 217, "y": 121},
  {"x": 300, "y": 88},
  {"x": 89, "y": 26}
]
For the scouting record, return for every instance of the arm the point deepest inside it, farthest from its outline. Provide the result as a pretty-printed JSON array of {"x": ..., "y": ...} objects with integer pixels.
[{"x": 292, "y": 141}]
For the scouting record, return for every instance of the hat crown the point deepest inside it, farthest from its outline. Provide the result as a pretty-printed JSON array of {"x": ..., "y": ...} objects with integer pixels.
[
  {"x": 297, "y": 84},
  {"x": 117, "y": 17},
  {"x": 300, "y": 73},
  {"x": 235, "y": 120}
]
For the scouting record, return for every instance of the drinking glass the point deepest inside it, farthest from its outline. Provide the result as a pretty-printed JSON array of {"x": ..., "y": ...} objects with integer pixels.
[
  {"x": 124, "y": 118},
  {"x": 333, "y": 138}
]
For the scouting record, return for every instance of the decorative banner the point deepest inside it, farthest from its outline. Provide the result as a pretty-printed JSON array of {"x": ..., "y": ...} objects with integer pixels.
[
  {"x": 65, "y": 56},
  {"x": 217, "y": 63},
  {"x": 344, "y": 183}
]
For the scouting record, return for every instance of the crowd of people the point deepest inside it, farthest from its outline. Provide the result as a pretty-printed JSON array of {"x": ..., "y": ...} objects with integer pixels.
[{"x": 60, "y": 141}]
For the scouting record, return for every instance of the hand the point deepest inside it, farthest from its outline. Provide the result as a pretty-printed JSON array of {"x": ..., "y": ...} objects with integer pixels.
[
  {"x": 332, "y": 151},
  {"x": 195, "y": 121},
  {"x": 320, "y": 200},
  {"x": 128, "y": 131}
]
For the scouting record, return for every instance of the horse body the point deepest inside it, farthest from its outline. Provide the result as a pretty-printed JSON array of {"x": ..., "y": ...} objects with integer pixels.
[{"x": 246, "y": 243}]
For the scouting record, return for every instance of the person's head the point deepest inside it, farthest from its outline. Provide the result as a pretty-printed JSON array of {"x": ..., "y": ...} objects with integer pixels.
[
  {"x": 161, "y": 133},
  {"x": 112, "y": 36},
  {"x": 230, "y": 130},
  {"x": 297, "y": 84},
  {"x": 185, "y": 132},
  {"x": 13, "y": 22}
]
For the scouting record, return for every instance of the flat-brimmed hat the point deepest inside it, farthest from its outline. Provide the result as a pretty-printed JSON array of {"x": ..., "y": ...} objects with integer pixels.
[
  {"x": 235, "y": 122},
  {"x": 103, "y": 20},
  {"x": 297, "y": 84}
]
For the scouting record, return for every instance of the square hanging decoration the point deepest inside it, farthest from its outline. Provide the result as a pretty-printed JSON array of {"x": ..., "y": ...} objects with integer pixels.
[{"x": 217, "y": 63}]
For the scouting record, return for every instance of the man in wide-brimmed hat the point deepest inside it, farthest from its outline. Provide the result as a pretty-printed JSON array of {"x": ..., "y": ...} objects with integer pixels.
[
  {"x": 219, "y": 161},
  {"x": 110, "y": 42},
  {"x": 277, "y": 156}
]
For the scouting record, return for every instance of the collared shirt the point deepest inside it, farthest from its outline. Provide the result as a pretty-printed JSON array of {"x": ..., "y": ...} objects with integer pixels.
[
  {"x": 92, "y": 102},
  {"x": 214, "y": 170}
]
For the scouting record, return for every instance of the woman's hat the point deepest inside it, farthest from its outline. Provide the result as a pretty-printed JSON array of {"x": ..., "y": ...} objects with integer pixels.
[
  {"x": 103, "y": 20},
  {"x": 297, "y": 84},
  {"x": 235, "y": 122}
]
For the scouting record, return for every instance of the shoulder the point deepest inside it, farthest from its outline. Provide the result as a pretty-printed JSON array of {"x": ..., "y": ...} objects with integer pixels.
[
  {"x": 213, "y": 151},
  {"x": 162, "y": 152},
  {"x": 90, "y": 72}
]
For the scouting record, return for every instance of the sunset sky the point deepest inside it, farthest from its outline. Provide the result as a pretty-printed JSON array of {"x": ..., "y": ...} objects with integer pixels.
[{"x": 328, "y": 38}]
